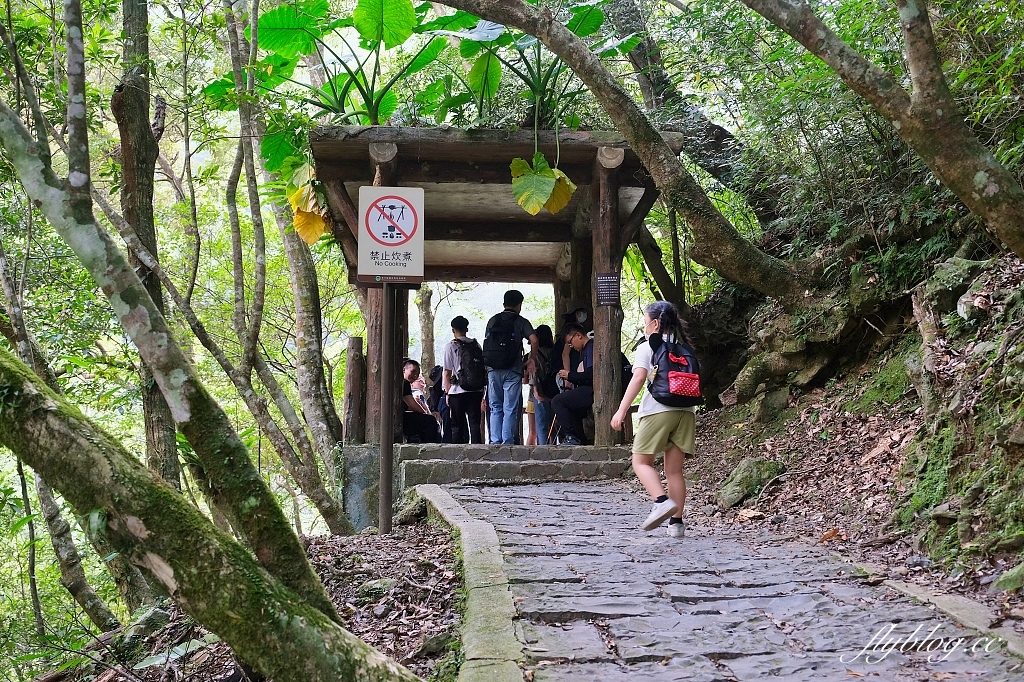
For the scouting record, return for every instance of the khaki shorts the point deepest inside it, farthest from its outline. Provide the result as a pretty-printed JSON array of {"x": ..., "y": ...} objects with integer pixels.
[{"x": 656, "y": 431}]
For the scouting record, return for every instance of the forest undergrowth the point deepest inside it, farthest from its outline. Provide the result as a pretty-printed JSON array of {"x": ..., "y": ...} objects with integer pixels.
[
  {"x": 401, "y": 593},
  {"x": 932, "y": 494}
]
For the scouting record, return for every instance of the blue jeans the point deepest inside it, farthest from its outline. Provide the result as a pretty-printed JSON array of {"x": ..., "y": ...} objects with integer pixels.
[
  {"x": 542, "y": 416},
  {"x": 504, "y": 390}
]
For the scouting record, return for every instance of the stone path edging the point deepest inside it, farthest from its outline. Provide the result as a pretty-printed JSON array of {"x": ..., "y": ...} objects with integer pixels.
[
  {"x": 489, "y": 642},
  {"x": 966, "y": 611}
]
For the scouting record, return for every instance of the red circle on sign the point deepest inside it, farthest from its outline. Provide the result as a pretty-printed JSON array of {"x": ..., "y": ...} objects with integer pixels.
[{"x": 388, "y": 223}]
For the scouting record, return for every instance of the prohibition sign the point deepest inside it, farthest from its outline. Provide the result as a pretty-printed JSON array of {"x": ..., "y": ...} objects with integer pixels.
[{"x": 391, "y": 221}]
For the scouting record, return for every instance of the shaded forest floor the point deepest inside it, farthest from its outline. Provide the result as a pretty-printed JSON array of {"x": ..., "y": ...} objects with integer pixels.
[{"x": 400, "y": 593}]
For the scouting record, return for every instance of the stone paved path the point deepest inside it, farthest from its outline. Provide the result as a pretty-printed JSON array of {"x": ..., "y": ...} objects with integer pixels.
[{"x": 601, "y": 600}]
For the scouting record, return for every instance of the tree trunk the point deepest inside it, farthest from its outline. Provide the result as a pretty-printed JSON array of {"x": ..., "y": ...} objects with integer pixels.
[
  {"x": 72, "y": 575},
  {"x": 33, "y": 585},
  {"x": 67, "y": 205},
  {"x": 139, "y": 151},
  {"x": 355, "y": 391},
  {"x": 215, "y": 580},
  {"x": 68, "y": 559},
  {"x": 708, "y": 145},
  {"x": 717, "y": 243},
  {"x": 426, "y": 311},
  {"x": 927, "y": 119}
]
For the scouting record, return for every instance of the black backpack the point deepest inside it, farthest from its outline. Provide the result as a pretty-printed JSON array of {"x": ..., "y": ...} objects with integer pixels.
[
  {"x": 502, "y": 348},
  {"x": 472, "y": 375},
  {"x": 436, "y": 390},
  {"x": 675, "y": 375}
]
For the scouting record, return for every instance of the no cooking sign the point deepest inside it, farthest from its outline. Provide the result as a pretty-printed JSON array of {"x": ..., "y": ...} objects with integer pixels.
[{"x": 390, "y": 234}]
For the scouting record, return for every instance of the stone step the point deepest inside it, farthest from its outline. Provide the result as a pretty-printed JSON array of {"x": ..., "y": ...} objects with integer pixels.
[
  {"x": 510, "y": 453},
  {"x": 413, "y": 472}
]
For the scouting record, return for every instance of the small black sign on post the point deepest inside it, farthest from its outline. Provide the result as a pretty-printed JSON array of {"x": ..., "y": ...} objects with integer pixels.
[{"x": 608, "y": 288}]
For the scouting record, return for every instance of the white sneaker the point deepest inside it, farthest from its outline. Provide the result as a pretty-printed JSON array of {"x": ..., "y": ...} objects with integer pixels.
[
  {"x": 659, "y": 513},
  {"x": 676, "y": 530}
]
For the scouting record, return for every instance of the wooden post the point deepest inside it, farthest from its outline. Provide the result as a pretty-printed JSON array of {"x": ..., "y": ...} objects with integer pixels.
[
  {"x": 607, "y": 317},
  {"x": 387, "y": 412},
  {"x": 382, "y": 155},
  {"x": 355, "y": 390}
]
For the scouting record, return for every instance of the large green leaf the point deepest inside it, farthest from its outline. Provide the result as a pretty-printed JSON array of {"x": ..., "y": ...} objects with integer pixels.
[
  {"x": 390, "y": 21},
  {"x": 432, "y": 52},
  {"x": 451, "y": 22},
  {"x": 532, "y": 187},
  {"x": 292, "y": 29},
  {"x": 585, "y": 21},
  {"x": 388, "y": 105},
  {"x": 276, "y": 148},
  {"x": 485, "y": 76}
]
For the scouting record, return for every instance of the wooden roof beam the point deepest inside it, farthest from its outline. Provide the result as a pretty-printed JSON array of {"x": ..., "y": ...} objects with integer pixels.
[{"x": 474, "y": 231}]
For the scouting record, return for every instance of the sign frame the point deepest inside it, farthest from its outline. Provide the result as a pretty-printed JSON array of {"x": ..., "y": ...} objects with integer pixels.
[{"x": 390, "y": 235}]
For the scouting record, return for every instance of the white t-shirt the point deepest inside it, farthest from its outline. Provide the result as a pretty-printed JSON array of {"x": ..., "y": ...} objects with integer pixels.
[
  {"x": 648, "y": 405},
  {"x": 451, "y": 362}
]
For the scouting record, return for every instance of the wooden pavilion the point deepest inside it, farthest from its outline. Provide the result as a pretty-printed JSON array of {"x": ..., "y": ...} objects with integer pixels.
[{"x": 475, "y": 231}]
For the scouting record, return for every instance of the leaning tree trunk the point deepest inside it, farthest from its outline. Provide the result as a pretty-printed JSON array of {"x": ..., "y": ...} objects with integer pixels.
[
  {"x": 67, "y": 204},
  {"x": 426, "y": 311},
  {"x": 139, "y": 151},
  {"x": 717, "y": 243},
  {"x": 72, "y": 575},
  {"x": 213, "y": 578},
  {"x": 135, "y": 590},
  {"x": 927, "y": 119}
]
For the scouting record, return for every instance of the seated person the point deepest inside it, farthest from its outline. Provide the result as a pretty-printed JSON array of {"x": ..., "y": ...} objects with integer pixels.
[
  {"x": 418, "y": 425},
  {"x": 572, "y": 406}
]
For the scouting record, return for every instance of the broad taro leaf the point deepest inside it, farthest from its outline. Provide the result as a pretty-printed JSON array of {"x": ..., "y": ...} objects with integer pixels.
[
  {"x": 387, "y": 21},
  {"x": 532, "y": 187},
  {"x": 432, "y": 52},
  {"x": 561, "y": 194},
  {"x": 452, "y": 22},
  {"x": 485, "y": 76},
  {"x": 292, "y": 29},
  {"x": 387, "y": 106}
]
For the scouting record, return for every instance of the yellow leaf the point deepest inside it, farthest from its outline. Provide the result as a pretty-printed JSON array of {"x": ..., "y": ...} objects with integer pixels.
[
  {"x": 303, "y": 199},
  {"x": 561, "y": 194},
  {"x": 310, "y": 226}
]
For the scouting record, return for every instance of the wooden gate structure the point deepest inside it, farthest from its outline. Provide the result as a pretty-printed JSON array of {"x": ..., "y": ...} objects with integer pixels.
[{"x": 475, "y": 230}]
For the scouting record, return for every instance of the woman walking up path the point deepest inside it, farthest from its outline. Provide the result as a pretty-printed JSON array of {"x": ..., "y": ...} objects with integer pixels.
[{"x": 663, "y": 427}]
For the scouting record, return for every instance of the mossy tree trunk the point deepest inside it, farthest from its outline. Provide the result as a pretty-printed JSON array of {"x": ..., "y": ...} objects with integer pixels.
[
  {"x": 213, "y": 578},
  {"x": 927, "y": 118},
  {"x": 67, "y": 204}
]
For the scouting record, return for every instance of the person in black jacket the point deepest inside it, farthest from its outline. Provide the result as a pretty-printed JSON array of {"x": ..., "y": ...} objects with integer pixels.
[{"x": 573, "y": 405}]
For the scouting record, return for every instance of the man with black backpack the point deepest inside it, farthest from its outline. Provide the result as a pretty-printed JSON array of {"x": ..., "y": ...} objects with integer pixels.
[
  {"x": 503, "y": 355},
  {"x": 464, "y": 379}
]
